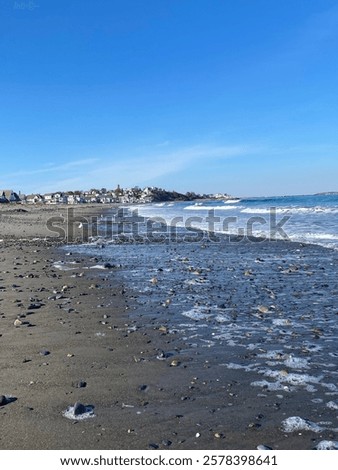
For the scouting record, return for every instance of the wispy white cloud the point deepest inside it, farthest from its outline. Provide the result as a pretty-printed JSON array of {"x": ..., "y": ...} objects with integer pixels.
[
  {"x": 109, "y": 170},
  {"x": 52, "y": 168},
  {"x": 145, "y": 169}
]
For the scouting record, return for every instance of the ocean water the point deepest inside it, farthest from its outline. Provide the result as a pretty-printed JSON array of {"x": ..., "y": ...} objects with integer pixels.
[
  {"x": 268, "y": 310},
  {"x": 307, "y": 219}
]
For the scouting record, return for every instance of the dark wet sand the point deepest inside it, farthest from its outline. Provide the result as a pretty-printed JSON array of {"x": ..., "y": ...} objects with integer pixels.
[{"x": 89, "y": 326}]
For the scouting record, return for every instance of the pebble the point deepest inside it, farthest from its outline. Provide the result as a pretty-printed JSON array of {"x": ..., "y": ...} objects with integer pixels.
[
  {"x": 166, "y": 443},
  {"x": 109, "y": 265},
  {"x": 3, "y": 400},
  {"x": 34, "y": 306},
  {"x": 79, "y": 409},
  {"x": 175, "y": 363},
  {"x": 80, "y": 384},
  {"x": 44, "y": 352},
  {"x": 263, "y": 309},
  {"x": 264, "y": 447},
  {"x": 17, "y": 322},
  {"x": 153, "y": 446}
]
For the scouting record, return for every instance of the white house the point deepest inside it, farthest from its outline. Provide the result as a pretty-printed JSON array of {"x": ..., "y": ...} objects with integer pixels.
[{"x": 34, "y": 199}]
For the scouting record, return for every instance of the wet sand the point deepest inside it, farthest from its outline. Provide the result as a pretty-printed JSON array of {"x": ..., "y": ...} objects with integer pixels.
[{"x": 85, "y": 335}]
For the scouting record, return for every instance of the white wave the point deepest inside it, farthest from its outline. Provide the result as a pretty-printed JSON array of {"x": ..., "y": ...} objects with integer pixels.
[
  {"x": 64, "y": 267},
  {"x": 296, "y": 423},
  {"x": 271, "y": 386},
  {"x": 314, "y": 236},
  {"x": 296, "y": 362},
  {"x": 208, "y": 208},
  {"x": 292, "y": 210},
  {"x": 232, "y": 201},
  {"x": 97, "y": 266},
  {"x": 197, "y": 313},
  {"x": 332, "y": 405},
  {"x": 266, "y": 210},
  {"x": 327, "y": 445}
]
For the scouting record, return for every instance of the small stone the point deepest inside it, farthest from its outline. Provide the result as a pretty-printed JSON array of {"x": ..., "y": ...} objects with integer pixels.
[
  {"x": 154, "y": 280},
  {"x": 175, "y": 363},
  {"x": 254, "y": 425},
  {"x": 17, "y": 323},
  {"x": 264, "y": 447},
  {"x": 79, "y": 409},
  {"x": 44, "y": 352},
  {"x": 153, "y": 446},
  {"x": 263, "y": 309},
  {"x": 166, "y": 443},
  {"x": 80, "y": 384},
  {"x": 3, "y": 400},
  {"x": 109, "y": 265},
  {"x": 198, "y": 434},
  {"x": 34, "y": 306},
  {"x": 218, "y": 435}
]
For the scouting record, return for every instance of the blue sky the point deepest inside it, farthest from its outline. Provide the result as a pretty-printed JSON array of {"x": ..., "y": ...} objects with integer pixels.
[{"x": 203, "y": 95}]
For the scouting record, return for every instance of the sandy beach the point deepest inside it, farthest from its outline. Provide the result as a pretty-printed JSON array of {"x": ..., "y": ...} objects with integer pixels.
[{"x": 83, "y": 334}]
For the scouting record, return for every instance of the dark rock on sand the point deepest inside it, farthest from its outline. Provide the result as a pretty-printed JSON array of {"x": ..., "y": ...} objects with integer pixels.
[
  {"x": 79, "y": 409},
  {"x": 6, "y": 400},
  {"x": 109, "y": 265},
  {"x": 143, "y": 388},
  {"x": 80, "y": 384},
  {"x": 3, "y": 400},
  {"x": 44, "y": 352}
]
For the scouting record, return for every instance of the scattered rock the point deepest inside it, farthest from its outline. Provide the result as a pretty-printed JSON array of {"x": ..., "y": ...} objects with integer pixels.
[
  {"x": 262, "y": 309},
  {"x": 80, "y": 384},
  {"x": 3, "y": 400},
  {"x": 34, "y": 306},
  {"x": 166, "y": 443},
  {"x": 109, "y": 265},
  {"x": 79, "y": 409},
  {"x": 153, "y": 446},
  {"x": 175, "y": 363},
  {"x": 44, "y": 352}
]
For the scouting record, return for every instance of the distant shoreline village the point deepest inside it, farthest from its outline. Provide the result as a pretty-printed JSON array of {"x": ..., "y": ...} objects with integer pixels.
[{"x": 134, "y": 195}]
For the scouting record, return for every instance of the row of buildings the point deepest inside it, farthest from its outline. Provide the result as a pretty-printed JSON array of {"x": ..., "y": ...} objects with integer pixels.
[{"x": 101, "y": 196}]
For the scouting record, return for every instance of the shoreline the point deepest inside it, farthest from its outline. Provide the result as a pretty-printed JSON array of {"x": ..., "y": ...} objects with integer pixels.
[{"x": 97, "y": 332}]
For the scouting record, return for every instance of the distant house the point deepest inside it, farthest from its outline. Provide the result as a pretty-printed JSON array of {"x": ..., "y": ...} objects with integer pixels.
[
  {"x": 55, "y": 198},
  {"x": 8, "y": 195},
  {"x": 34, "y": 199}
]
